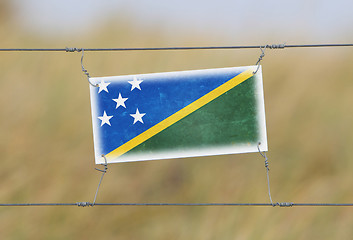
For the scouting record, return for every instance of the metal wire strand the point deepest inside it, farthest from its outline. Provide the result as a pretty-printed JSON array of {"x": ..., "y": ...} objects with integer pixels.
[
  {"x": 263, "y": 154},
  {"x": 82, "y": 67},
  {"x": 103, "y": 172},
  {"x": 86, "y": 204},
  {"x": 260, "y": 59},
  {"x": 271, "y": 46}
]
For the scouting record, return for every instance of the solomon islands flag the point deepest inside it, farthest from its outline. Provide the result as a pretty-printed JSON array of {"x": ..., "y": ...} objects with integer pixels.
[{"x": 178, "y": 114}]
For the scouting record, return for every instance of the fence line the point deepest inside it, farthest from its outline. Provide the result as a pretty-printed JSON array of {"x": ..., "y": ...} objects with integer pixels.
[
  {"x": 88, "y": 204},
  {"x": 270, "y": 46}
]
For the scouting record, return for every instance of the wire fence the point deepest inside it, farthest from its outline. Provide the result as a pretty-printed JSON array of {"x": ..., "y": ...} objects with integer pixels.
[{"x": 262, "y": 47}]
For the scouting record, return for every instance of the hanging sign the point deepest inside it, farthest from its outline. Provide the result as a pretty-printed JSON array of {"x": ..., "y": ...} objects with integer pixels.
[{"x": 178, "y": 114}]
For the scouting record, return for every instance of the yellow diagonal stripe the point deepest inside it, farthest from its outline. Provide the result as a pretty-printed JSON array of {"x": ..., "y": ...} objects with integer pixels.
[{"x": 180, "y": 114}]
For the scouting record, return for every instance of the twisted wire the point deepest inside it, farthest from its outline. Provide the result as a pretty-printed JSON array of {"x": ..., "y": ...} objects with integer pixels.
[
  {"x": 263, "y": 154},
  {"x": 82, "y": 67}
]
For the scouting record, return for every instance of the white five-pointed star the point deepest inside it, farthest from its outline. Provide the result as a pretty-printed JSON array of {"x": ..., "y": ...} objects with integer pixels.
[
  {"x": 103, "y": 86},
  {"x": 105, "y": 119},
  {"x": 137, "y": 116},
  {"x": 135, "y": 83},
  {"x": 120, "y": 101}
]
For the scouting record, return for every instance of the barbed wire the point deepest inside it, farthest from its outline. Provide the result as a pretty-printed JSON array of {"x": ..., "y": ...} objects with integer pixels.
[
  {"x": 89, "y": 204},
  {"x": 271, "y": 46}
]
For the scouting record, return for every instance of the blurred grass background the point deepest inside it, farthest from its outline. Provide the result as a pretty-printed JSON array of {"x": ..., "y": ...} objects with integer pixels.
[{"x": 46, "y": 145}]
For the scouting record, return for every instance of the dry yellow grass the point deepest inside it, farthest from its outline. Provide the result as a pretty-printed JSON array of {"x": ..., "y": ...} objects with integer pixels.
[{"x": 46, "y": 147}]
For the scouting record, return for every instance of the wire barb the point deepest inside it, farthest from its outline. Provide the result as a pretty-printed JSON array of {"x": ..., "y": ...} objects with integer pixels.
[
  {"x": 103, "y": 172},
  {"x": 263, "y": 154},
  {"x": 284, "y": 204},
  {"x": 263, "y": 48},
  {"x": 276, "y": 46},
  {"x": 84, "y": 204},
  {"x": 67, "y": 49}
]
